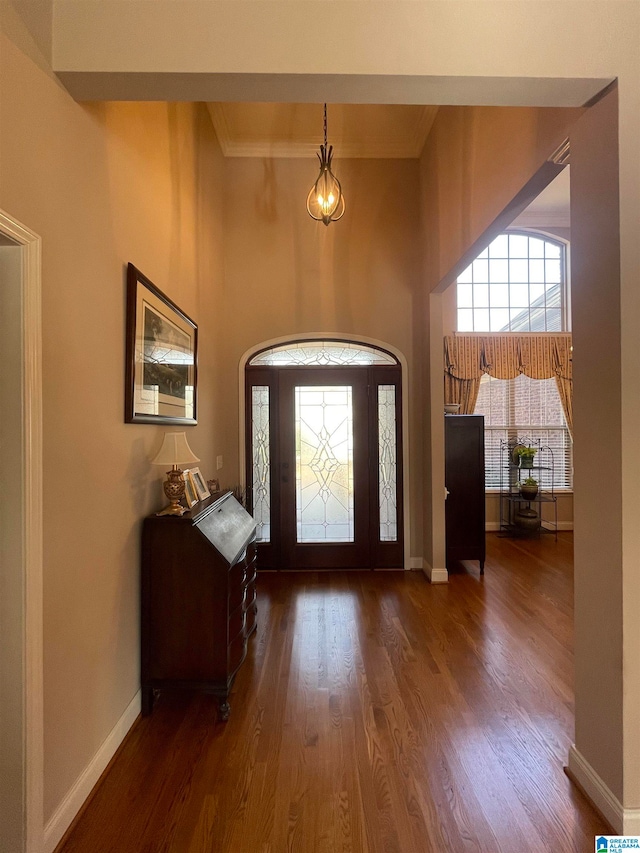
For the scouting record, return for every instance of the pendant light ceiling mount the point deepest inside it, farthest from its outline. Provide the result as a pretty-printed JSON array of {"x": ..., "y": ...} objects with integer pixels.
[{"x": 325, "y": 202}]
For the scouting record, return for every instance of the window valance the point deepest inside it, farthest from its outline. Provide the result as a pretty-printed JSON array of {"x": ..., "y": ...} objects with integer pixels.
[{"x": 505, "y": 356}]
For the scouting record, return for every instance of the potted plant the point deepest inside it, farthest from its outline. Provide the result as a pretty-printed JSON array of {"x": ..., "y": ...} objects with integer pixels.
[
  {"x": 525, "y": 455},
  {"x": 529, "y": 488}
]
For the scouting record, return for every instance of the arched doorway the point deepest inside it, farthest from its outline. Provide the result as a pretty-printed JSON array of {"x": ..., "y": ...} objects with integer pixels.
[{"x": 324, "y": 455}]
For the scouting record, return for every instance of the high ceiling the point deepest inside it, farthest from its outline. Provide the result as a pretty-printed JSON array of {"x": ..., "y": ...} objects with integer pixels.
[
  {"x": 551, "y": 207},
  {"x": 296, "y": 130},
  {"x": 355, "y": 130}
]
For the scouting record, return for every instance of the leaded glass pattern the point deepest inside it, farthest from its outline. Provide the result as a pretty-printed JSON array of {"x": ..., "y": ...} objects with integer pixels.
[
  {"x": 261, "y": 461},
  {"x": 326, "y": 353},
  {"x": 324, "y": 464},
  {"x": 387, "y": 463}
]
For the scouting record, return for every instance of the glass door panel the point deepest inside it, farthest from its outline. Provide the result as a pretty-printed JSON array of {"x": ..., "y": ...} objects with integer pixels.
[
  {"x": 261, "y": 461},
  {"x": 387, "y": 463},
  {"x": 324, "y": 467},
  {"x": 324, "y": 464}
]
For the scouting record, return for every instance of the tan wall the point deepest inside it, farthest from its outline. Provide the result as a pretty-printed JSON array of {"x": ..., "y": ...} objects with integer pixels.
[
  {"x": 433, "y": 443},
  {"x": 103, "y": 185},
  {"x": 286, "y": 275},
  {"x": 597, "y": 414},
  {"x": 476, "y": 160},
  {"x": 564, "y": 506}
]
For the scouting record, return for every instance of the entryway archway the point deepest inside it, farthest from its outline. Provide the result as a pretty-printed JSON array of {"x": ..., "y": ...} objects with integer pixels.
[{"x": 324, "y": 455}]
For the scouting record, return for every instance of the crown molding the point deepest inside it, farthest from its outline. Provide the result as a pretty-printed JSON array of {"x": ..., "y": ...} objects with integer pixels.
[{"x": 377, "y": 149}]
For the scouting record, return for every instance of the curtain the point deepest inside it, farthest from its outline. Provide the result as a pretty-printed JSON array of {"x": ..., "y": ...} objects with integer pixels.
[
  {"x": 565, "y": 391},
  {"x": 505, "y": 356},
  {"x": 462, "y": 391}
]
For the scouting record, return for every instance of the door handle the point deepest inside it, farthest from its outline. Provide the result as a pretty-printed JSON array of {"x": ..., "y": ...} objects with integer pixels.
[{"x": 446, "y": 493}]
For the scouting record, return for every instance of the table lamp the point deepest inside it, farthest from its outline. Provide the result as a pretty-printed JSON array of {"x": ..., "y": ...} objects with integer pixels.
[{"x": 175, "y": 449}]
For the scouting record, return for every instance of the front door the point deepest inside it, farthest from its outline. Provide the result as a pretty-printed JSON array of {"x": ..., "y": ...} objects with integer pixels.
[
  {"x": 324, "y": 467},
  {"x": 323, "y": 453}
]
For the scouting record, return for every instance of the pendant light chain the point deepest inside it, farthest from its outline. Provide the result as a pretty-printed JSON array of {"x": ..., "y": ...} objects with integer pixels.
[{"x": 325, "y": 126}]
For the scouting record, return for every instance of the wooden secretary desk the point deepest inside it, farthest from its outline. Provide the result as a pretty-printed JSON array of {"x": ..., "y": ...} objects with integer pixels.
[{"x": 198, "y": 599}]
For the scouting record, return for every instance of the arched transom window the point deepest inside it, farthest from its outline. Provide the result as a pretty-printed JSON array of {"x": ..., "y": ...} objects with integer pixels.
[
  {"x": 324, "y": 353},
  {"x": 518, "y": 284}
]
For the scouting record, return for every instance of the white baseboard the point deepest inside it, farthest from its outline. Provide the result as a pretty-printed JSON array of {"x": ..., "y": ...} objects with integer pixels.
[
  {"x": 624, "y": 821},
  {"x": 435, "y": 575},
  {"x": 82, "y": 787},
  {"x": 493, "y": 526},
  {"x": 415, "y": 562}
]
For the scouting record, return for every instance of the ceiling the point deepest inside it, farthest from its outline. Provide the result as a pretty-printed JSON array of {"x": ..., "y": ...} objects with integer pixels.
[
  {"x": 296, "y": 130},
  {"x": 551, "y": 207},
  {"x": 376, "y": 131}
]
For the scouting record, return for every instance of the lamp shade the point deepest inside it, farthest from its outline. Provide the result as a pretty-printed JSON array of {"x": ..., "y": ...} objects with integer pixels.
[{"x": 175, "y": 449}]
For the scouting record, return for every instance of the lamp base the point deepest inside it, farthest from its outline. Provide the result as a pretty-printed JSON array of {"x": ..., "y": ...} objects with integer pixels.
[
  {"x": 173, "y": 509},
  {"x": 174, "y": 490}
]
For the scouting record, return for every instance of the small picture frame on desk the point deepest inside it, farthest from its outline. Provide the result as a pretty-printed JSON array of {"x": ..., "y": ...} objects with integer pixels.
[
  {"x": 190, "y": 492},
  {"x": 201, "y": 487}
]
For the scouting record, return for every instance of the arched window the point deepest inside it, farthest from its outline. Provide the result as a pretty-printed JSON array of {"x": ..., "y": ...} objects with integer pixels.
[
  {"x": 324, "y": 353},
  {"x": 518, "y": 284}
]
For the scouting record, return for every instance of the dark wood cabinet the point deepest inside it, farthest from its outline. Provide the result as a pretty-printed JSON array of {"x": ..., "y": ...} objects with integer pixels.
[
  {"x": 464, "y": 481},
  {"x": 198, "y": 599}
]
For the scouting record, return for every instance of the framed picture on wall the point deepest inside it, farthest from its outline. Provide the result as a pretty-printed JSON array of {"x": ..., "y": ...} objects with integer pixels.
[
  {"x": 201, "y": 486},
  {"x": 161, "y": 357}
]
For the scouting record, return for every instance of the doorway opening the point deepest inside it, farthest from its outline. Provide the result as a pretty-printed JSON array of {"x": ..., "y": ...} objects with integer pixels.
[
  {"x": 323, "y": 427},
  {"x": 21, "y": 733}
]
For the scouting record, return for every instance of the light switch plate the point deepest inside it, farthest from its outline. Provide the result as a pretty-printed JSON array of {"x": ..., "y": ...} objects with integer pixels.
[{"x": 218, "y": 462}]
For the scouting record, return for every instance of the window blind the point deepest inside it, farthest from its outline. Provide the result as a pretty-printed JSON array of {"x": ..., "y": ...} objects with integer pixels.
[{"x": 524, "y": 408}]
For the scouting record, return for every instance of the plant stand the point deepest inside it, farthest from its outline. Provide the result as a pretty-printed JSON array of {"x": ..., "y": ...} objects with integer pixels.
[{"x": 521, "y": 515}]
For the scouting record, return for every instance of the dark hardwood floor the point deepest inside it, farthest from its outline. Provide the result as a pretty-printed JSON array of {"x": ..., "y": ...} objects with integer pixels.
[{"x": 375, "y": 714}]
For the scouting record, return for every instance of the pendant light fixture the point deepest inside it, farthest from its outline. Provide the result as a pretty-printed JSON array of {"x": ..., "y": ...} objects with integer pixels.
[{"x": 325, "y": 201}]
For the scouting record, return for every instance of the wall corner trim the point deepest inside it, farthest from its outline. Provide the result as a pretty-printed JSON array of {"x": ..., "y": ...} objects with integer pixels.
[
  {"x": 435, "y": 575},
  {"x": 84, "y": 784},
  {"x": 624, "y": 821}
]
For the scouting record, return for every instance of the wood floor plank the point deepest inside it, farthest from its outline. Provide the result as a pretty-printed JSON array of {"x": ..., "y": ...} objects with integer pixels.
[{"x": 375, "y": 713}]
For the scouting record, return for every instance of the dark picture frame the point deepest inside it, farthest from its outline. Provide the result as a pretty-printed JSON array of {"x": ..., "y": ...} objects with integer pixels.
[{"x": 161, "y": 357}]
